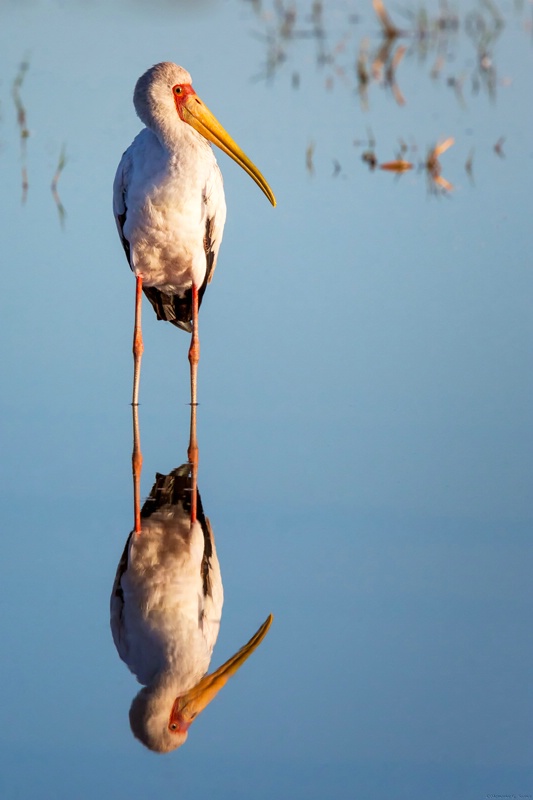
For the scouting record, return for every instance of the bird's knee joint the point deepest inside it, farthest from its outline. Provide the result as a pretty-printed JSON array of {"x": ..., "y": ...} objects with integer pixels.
[
  {"x": 138, "y": 346},
  {"x": 194, "y": 353}
]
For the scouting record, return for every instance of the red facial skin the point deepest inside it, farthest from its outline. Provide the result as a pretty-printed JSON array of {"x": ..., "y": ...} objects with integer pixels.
[
  {"x": 180, "y": 92},
  {"x": 176, "y": 723}
]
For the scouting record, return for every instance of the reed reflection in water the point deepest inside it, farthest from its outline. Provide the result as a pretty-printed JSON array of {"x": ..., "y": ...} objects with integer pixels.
[
  {"x": 453, "y": 48},
  {"x": 166, "y": 604}
]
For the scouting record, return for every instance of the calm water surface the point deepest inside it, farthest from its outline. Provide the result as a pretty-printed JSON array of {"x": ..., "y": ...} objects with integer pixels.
[{"x": 365, "y": 423}]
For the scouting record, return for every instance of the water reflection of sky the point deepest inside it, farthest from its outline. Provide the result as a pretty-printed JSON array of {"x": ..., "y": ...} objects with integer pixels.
[{"x": 365, "y": 422}]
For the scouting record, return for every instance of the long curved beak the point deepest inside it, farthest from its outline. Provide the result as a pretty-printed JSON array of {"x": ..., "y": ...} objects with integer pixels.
[
  {"x": 196, "y": 113},
  {"x": 187, "y": 707}
]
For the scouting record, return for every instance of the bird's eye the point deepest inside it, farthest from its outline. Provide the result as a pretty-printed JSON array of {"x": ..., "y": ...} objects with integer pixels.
[
  {"x": 178, "y": 90},
  {"x": 173, "y": 726}
]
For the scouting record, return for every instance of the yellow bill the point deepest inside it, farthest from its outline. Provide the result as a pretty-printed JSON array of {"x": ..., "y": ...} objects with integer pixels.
[
  {"x": 196, "y": 113},
  {"x": 187, "y": 707}
]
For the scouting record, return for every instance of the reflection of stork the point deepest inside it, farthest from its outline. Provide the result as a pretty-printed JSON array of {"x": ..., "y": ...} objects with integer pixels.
[
  {"x": 166, "y": 606},
  {"x": 169, "y": 205}
]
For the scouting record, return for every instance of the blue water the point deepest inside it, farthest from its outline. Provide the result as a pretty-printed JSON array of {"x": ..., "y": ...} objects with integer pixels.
[{"x": 365, "y": 421}]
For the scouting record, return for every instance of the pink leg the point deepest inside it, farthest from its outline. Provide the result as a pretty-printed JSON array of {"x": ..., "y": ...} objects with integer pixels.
[
  {"x": 194, "y": 349},
  {"x": 136, "y": 466},
  {"x": 138, "y": 346}
]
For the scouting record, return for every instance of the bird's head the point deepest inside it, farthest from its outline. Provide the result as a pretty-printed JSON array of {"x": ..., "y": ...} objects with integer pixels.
[
  {"x": 161, "y": 721},
  {"x": 166, "y": 90}
]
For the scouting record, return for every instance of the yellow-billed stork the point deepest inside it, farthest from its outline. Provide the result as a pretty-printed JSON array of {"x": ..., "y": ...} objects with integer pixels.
[{"x": 169, "y": 206}]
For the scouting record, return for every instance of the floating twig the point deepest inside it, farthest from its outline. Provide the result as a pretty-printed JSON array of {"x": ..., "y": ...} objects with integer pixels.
[{"x": 398, "y": 165}]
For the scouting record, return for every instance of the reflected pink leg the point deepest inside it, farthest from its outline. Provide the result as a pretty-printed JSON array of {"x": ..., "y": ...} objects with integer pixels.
[
  {"x": 136, "y": 467},
  {"x": 192, "y": 454}
]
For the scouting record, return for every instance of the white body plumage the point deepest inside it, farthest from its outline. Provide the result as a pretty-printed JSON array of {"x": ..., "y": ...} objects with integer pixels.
[
  {"x": 172, "y": 197},
  {"x": 165, "y": 624}
]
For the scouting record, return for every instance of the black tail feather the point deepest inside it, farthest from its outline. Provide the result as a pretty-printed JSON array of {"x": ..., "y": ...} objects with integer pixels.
[
  {"x": 172, "y": 490},
  {"x": 172, "y": 307}
]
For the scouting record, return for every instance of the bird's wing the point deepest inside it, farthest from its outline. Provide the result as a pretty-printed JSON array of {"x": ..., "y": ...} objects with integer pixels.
[
  {"x": 120, "y": 188},
  {"x": 117, "y": 604},
  {"x": 215, "y": 207},
  {"x": 213, "y": 591}
]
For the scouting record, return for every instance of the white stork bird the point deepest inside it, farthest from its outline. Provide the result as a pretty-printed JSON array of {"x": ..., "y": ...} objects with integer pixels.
[
  {"x": 168, "y": 201},
  {"x": 166, "y": 606}
]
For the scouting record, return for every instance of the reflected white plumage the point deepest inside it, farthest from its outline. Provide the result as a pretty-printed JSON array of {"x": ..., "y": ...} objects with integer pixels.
[
  {"x": 166, "y": 606},
  {"x": 168, "y": 201}
]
